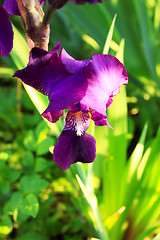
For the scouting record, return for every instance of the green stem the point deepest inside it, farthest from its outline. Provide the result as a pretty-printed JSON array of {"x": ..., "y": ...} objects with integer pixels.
[
  {"x": 102, "y": 233},
  {"x": 50, "y": 10}
]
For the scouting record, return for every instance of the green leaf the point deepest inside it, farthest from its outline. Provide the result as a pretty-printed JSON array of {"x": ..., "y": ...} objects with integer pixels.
[
  {"x": 93, "y": 204},
  {"x": 30, "y": 235},
  {"x": 147, "y": 37},
  {"x": 41, "y": 164},
  {"x": 116, "y": 149},
  {"x": 13, "y": 175},
  {"x": 4, "y": 156},
  {"x": 32, "y": 184},
  {"x": 30, "y": 141},
  {"x": 109, "y": 37},
  {"x": 6, "y": 72},
  {"x": 6, "y": 225},
  {"x": 28, "y": 159},
  {"x": 43, "y": 147},
  {"x": 32, "y": 207},
  {"x": 137, "y": 154},
  {"x": 13, "y": 203},
  {"x": 41, "y": 131},
  {"x": 5, "y": 187}
]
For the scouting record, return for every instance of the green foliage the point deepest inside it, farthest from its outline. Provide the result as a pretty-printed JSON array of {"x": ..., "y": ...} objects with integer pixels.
[{"x": 116, "y": 197}]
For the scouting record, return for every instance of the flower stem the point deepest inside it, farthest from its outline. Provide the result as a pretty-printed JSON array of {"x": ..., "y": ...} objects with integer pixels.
[{"x": 50, "y": 10}]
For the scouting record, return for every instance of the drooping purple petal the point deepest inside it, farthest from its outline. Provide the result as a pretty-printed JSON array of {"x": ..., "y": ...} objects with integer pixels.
[
  {"x": 72, "y": 148},
  {"x": 52, "y": 116},
  {"x": 105, "y": 74},
  {"x": 99, "y": 119},
  {"x": 63, "y": 88},
  {"x": 6, "y": 33},
  {"x": 38, "y": 59},
  {"x": 11, "y": 7},
  {"x": 71, "y": 64}
]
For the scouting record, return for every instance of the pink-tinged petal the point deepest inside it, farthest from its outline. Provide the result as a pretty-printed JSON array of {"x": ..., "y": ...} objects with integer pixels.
[
  {"x": 72, "y": 148},
  {"x": 110, "y": 100},
  {"x": 99, "y": 119},
  {"x": 11, "y": 7},
  {"x": 63, "y": 89},
  {"x": 105, "y": 74},
  {"x": 71, "y": 64},
  {"x": 52, "y": 116},
  {"x": 6, "y": 33}
]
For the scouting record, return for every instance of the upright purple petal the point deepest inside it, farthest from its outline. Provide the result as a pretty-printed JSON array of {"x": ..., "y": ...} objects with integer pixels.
[
  {"x": 71, "y": 64},
  {"x": 11, "y": 7},
  {"x": 105, "y": 74},
  {"x": 6, "y": 33},
  {"x": 72, "y": 148},
  {"x": 63, "y": 88}
]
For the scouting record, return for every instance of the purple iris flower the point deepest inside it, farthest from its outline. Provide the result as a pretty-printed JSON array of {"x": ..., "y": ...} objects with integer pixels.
[
  {"x": 6, "y": 31},
  {"x": 11, "y": 7},
  {"x": 84, "y": 87}
]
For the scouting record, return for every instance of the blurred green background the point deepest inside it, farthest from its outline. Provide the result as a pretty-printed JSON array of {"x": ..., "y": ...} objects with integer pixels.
[{"x": 118, "y": 196}]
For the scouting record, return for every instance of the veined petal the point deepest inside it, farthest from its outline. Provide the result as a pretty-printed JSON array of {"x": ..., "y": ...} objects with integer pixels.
[
  {"x": 6, "y": 33},
  {"x": 105, "y": 74},
  {"x": 78, "y": 122},
  {"x": 71, "y": 64},
  {"x": 72, "y": 148},
  {"x": 11, "y": 7}
]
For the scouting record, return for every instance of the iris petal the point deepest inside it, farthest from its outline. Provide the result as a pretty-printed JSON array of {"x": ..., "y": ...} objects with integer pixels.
[
  {"x": 99, "y": 119},
  {"x": 6, "y": 33},
  {"x": 52, "y": 116},
  {"x": 64, "y": 89},
  {"x": 105, "y": 74},
  {"x": 11, "y": 7},
  {"x": 71, "y": 64},
  {"x": 72, "y": 148},
  {"x": 38, "y": 59}
]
